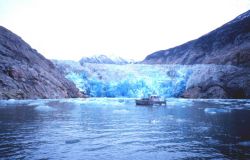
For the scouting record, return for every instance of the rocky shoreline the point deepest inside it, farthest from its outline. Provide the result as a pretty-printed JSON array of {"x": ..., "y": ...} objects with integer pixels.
[{"x": 218, "y": 81}]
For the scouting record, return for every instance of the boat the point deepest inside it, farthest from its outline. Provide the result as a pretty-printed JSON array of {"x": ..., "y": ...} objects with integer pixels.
[{"x": 151, "y": 100}]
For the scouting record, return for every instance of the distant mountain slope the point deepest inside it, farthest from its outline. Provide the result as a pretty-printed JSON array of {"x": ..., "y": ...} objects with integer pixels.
[
  {"x": 103, "y": 59},
  {"x": 67, "y": 66},
  {"x": 229, "y": 44},
  {"x": 27, "y": 74}
]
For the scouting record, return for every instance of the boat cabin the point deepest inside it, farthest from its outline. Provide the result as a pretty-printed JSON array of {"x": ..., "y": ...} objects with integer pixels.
[
  {"x": 154, "y": 98},
  {"x": 151, "y": 100}
]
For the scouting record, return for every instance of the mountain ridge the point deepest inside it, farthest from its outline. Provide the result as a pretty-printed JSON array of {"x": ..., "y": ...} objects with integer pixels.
[
  {"x": 26, "y": 74},
  {"x": 104, "y": 59},
  {"x": 228, "y": 44}
]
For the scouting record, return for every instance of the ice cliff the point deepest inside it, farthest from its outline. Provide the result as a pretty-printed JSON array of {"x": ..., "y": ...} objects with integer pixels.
[{"x": 139, "y": 80}]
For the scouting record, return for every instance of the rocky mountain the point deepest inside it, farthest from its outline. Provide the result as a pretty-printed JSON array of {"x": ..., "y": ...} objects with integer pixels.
[
  {"x": 228, "y": 47},
  {"x": 218, "y": 81},
  {"x": 229, "y": 44},
  {"x": 103, "y": 59},
  {"x": 27, "y": 74},
  {"x": 67, "y": 66}
]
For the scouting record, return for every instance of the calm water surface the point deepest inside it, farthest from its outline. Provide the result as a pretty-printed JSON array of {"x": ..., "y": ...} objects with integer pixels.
[{"x": 105, "y": 129}]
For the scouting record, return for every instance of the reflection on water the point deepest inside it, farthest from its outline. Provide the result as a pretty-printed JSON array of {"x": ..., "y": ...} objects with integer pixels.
[{"x": 117, "y": 129}]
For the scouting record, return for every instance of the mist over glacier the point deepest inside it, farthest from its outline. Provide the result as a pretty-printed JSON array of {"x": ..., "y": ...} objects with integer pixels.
[{"x": 132, "y": 80}]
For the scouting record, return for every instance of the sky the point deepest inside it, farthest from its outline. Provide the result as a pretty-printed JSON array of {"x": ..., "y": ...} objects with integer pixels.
[{"x": 132, "y": 29}]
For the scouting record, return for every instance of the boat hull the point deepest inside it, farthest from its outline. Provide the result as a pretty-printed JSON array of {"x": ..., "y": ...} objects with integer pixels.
[
  {"x": 143, "y": 102},
  {"x": 149, "y": 103}
]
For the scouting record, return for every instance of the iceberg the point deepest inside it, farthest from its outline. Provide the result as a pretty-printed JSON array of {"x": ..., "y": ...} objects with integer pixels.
[
  {"x": 216, "y": 110},
  {"x": 44, "y": 108}
]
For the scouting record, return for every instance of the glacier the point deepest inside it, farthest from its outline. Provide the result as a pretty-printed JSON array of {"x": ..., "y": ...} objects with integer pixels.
[
  {"x": 131, "y": 80},
  {"x": 141, "y": 80}
]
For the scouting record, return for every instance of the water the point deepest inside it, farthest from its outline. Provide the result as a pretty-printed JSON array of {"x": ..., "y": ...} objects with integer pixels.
[{"x": 107, "y": 129}]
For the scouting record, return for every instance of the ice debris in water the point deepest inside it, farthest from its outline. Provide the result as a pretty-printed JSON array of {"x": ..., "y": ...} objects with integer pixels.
[
  {"x": 72, "y": 141},
  {"x": 36, "y": 103},
  {"x": 212, "y": 141},
  {"x": 179, "y": 120},
  {"x": 121, "y": 111},
  {"x": 108, "y": 101},
  {"x": 154, "y": 121},
  {"x": 44, "y": 108},
  {"x": 245, "y": 143},
  {"x": 216, "y": 110}
]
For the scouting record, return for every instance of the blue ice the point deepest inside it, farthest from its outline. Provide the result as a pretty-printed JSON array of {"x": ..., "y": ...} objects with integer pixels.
[{"x": 131, "y": 81}]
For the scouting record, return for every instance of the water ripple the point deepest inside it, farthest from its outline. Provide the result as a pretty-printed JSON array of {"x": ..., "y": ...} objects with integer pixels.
[{"x": 117, "y": 129}]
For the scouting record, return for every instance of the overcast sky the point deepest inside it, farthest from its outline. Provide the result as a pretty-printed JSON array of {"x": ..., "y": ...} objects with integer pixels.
[{"x": 70, "y": 29}]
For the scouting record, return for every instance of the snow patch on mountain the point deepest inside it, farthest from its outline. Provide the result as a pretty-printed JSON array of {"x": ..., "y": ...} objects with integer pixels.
[{"x": 104, "y": 59}]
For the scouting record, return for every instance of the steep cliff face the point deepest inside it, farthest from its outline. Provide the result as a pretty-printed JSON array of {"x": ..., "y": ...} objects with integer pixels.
[
  {"x": 229, "y": 44},
  {"x": 24, "y": 73},
  {"x": 218, "y": 81}
]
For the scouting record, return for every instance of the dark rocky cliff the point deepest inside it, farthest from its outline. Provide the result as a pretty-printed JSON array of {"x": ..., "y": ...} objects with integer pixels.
[
  {"x": 27, "y": 74},
  {"x": 229, "y": 44},
  {"x": 218, "y": 81}
]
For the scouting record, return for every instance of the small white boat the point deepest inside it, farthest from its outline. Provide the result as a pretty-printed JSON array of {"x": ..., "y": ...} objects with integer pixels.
[{"x": 152, "y": 100}]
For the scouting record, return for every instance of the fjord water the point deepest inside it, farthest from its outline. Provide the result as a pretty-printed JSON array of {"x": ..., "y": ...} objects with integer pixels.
[{"x": 104, "y": 128}]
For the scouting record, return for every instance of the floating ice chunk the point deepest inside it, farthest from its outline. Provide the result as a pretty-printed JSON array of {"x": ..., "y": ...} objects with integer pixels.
[
  {"x": 212, "y": 141},
  {"x": 170, "y": 117},
  {"x": 13, "y": 103},
  {"x": 216, "y": 110},
  {"x": 107, "y": 101},
  {"x": 179, "y": 120},
  {"x": 178, "y": 102},
  {"x": 154, "y": 121},
  {"x": 245, "y": 143},
  {"x": 121, "y": 111},
  {"x": 36, "y": 103},
  {"x": 44, "y": 108},
  {"x": 11, "y": 100},
  {"x": 201, "y": 129},
  {"x": 209, "y": 111},
  {"x": 72, "y": 141}
]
